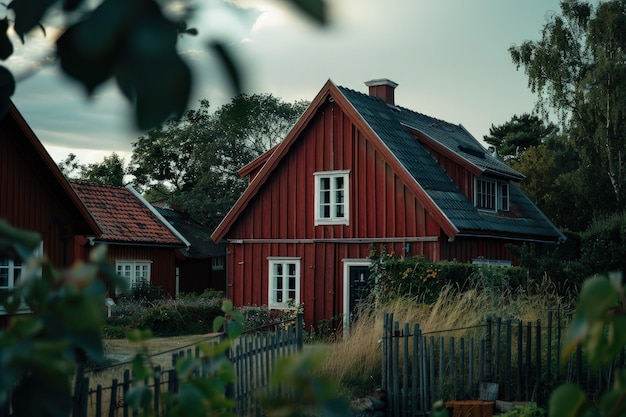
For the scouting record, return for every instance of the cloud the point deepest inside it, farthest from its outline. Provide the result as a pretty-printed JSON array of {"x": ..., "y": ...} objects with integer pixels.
[{"x": 449, "y": 58}]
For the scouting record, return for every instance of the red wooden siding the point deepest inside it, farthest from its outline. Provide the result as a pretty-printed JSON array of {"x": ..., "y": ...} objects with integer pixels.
[
  {"x": 32, "y": 198},
  {"x": 196, "y": 276},
  {"x": 279, "y": 221},
  {"x": 163, "y": 266}
]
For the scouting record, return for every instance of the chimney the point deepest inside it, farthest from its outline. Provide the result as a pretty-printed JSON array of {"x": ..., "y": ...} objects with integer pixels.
[{"x": 382, "y": 88}]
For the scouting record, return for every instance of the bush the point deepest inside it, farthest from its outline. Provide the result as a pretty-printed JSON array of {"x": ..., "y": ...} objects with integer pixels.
[
  {"x": 190, "y": 315},
  {"x": 604, "y": 244},
  {"x": 176, "y": 318},
  {"x": 416, "y": 276}
]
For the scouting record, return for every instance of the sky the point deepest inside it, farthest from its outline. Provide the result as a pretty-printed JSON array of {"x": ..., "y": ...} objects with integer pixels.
[{"x": 449, "y": 58}]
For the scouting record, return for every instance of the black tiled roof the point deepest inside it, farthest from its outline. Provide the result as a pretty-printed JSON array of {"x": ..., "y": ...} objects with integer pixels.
[{"x": 389, "y": 123}]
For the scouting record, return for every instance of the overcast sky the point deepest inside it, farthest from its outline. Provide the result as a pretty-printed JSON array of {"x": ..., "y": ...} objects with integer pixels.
[{"x": 449, "y": 57}]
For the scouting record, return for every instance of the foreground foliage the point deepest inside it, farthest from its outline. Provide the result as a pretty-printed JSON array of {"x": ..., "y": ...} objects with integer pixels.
[
  {"x": 124, "y": 41},
  {"x": 599, "y": 325},
  {"x": 42, "y": 352}
]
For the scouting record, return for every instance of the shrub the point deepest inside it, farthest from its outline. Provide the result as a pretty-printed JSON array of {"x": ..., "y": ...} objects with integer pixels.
[
  {"x": 147, "y": 293},
  {"x": 603, "y": 246},
  {"x": 176, "y": 318}
]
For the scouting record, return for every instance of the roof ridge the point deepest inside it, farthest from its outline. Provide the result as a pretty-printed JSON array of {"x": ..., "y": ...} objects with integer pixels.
[
  {"x": 396, "y": 107},
  {"x": 93, "y": 184}
]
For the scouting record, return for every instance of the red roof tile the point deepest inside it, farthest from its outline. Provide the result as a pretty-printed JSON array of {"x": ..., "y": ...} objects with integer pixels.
[{"x": 123, "y": 217}]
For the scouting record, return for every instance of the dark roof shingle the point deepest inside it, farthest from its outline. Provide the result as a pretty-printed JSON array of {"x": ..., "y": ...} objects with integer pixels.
[{"x": 390, "y": 124}]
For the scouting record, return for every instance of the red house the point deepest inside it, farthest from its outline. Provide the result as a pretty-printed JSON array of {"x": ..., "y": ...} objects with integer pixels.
[
  {"x": 358, "y": 171},
  {"x": 34, "y": 195},
  {"x": 142, "y": 245}
]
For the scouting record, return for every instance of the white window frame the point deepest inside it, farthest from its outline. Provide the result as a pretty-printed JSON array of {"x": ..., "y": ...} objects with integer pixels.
[
  {"x": 217, "y": 263},
  {"x": 286, "y": 290},
  {"x": 491, "y": 195},
  {"x": 332, "y": 203},
  {"x": 11, "y": 269},
  {"x": 133, "y": 280}
]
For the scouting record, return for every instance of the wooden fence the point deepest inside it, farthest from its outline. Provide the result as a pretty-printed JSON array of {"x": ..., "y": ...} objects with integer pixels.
[
  {"x": 521, "y": 360},
  {"x": 253, "y": 355}
]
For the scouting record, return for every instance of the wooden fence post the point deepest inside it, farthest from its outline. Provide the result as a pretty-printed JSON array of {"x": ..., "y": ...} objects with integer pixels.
[
  {"x": 488, "y": 357},
  {"x": 299, "y": 324},
  {"x": 113, "y": 399}
]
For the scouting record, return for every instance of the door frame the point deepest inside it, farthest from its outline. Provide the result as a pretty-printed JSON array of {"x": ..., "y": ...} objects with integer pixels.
[{"x": 347, "y": 264}]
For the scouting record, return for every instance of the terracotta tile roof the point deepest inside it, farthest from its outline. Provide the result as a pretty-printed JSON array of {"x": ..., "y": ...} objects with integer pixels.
[{"x": 123, "y": 217}]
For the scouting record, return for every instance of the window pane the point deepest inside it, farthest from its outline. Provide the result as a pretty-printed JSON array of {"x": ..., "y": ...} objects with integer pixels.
[
  {"x": 324, "y": 183},
  {"x": 278, "y": 283},
  {"x": 339, "y": 211},
  {"x": 4, "y": 277},
  {"x": 325, "y": 212},
  {"x": 292, "y": 270},
  {"x": 338, "y": 183}
]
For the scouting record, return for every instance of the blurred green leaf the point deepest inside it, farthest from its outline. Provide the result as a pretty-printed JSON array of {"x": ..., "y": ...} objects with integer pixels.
[
  {"x": 229, "y": 65},
  {"x": 235, "y": 329},
  {"x": 139, "y": 396},
  {"x": 6, "y": 47},
  {"x": 568, "y": 400},
  {"x": 597, "y": 296},
  {"x": 191, "y": 401},
  {"x": 218, "y": 322},
  {"x": 28, "y": 14},
  {"x": 315, "y": 9},
  {"x": 227, "y": 306},
  {"x": 30, "y": 240}
]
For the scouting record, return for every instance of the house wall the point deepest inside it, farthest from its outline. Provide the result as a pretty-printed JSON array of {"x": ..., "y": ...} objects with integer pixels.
[
  {"x": 163, "y": 263},
  {"x": 196, "y": 276},
  {"x": 31, "y": 197},
  {"x": 464, "y": 249},
  {"x": 279, "y": 221}
]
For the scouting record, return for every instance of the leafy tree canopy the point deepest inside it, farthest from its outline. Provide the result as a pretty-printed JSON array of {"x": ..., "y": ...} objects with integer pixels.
[
  {"x": 514, "y": 137},
  {"x": 108, "y": 172},
  {"x": 194, "y": 161},
  {"x": 578, "y": 70},
  {"x": 131, "y": 42}
]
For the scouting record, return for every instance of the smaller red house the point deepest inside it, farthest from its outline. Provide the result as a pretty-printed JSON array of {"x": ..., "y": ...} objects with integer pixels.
[
  {"x": 142, "y": 245},
  {"x": 358, "y": 171},
  {"x": 34, "y": 195}
]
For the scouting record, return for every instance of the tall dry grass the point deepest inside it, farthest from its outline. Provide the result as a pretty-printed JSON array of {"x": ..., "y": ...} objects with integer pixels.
[{"x": 356, "y": 359}]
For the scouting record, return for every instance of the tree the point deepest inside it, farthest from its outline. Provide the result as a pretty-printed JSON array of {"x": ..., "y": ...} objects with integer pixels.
[
  {"x": 125, "y": 41},
  {"x": 69, "y": 166},
  {"x": 108, "y": 172},
  {"x": 514, "y": 137},
  {"x": 259, "y": 121},
  {"x": 578, "y": 70},
  {"x": 195, "y": 159}
]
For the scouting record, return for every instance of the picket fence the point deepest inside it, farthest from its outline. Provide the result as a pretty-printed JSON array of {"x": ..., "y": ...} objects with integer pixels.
[
  {"x": 521, "y": 361},
  {"x": 253, "y": 354}
]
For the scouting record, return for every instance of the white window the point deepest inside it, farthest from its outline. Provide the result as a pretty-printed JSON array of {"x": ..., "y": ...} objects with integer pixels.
[
  {"x": 137, "y": 272},
  {"x": 10, "y": 272},
  {"x": 491, "y": 195},
  {"x": 284, "y": 282},
  {"x": 11, "y": 269},
  {"x": 331, "y": 197},
  {"x": 217, "y": 263}
]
